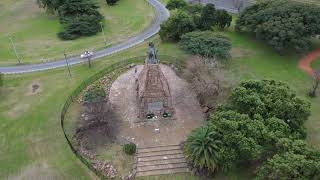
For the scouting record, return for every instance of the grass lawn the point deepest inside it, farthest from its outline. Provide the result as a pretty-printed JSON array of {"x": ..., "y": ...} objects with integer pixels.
[
  {"x": 31, "y": 140},
  {"x": 316, "y": 64},
  {"x": 35, "y": 32}
]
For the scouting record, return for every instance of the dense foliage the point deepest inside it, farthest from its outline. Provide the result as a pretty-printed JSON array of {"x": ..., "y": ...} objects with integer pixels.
[
  {"x": 179, "y": 23},
  {"x": 189, "y": 17},
  {"x": 1, "y": 79},
  {"x": 295, "y": 160},
  {"x": 94, "y": 93},
  {"x": 201, "y": 148},
  {"x": 130, "y": 148},
  {"x": 176, "y": 4},
  {"x": 78, "y": 17},
  {"x": 206, "y": 44},
  {"x": 112, "y": 2},
  {"x": 264, "y": 119},
  {"x": 282, "y": 24}
]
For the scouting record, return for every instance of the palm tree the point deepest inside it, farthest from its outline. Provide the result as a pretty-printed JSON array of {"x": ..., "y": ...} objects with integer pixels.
[{"x": 201, "y": 148}]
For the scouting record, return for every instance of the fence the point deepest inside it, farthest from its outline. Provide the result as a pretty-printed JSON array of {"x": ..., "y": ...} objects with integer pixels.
[{"x": 110, "y": 68}]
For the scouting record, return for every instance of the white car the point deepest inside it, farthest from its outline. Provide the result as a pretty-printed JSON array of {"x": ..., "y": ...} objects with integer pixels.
[{"x": 86, "y": 54}]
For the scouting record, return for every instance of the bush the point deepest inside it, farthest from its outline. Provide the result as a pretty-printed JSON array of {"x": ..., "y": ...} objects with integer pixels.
[
  {"x": 80, "y": 26},
  {"x": 202, "y": 149},
  {"x": 176, "y": 4},
  {"x": 95, "y": 93},
  {"x": 282, "y": 24},
  {"x": 179, "y": 23},
  {"x": 206, "y": 44},
  {"x": 111, "y": 2},
  {"x": 130, "y": 148}
]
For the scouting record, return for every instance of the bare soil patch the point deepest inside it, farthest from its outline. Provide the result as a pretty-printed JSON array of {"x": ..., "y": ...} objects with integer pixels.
[
  {"x": 305, "y": 63},
  {"x": 187, "y": 116}
]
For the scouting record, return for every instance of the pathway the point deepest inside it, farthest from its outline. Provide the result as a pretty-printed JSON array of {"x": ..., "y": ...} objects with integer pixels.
[{"x": 305, "y": 63}]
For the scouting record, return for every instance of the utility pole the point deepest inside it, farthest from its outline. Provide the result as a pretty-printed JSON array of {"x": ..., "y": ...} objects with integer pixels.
[
  {"x": 65, "y": 57},
  {"x": 14, "y": 49},
  {"x": 89, "y": 61},
  {"x": 104, "y": 35}
]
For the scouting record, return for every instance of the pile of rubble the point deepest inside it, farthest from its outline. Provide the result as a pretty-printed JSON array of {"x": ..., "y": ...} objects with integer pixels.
[{"x": 105, "y": 168}]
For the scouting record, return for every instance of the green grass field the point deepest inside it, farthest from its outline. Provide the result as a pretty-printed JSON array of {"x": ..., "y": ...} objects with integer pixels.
[{"x": 35, "y": 32}]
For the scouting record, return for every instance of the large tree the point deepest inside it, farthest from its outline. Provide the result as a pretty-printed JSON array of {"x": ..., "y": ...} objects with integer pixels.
[
  {"x": 282, "y": 24},
  {"x": 208, "y": 17},
  {"x": 269, "y": 98},
  {"x": 179, "y": 23}
]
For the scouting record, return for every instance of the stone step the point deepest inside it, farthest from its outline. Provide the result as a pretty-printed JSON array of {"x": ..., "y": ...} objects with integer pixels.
[
  {"x": 163, "y": 171},
  {"x": 161, "y": 166},
  {"x": 158, "y": 148},
  {"x": 161, "y": 157},
  {"x": 162, "y": 161},
  {"x": 159, "y": 153}
]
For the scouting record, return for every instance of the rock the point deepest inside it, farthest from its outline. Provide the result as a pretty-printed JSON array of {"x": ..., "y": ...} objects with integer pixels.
[
  {"x": 157, "y": 130},
  {"x": 205, "y": 109}
]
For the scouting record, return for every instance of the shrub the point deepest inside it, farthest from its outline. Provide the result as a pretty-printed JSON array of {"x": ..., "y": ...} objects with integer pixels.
[
  {"x": 111, "y": 2},
  {"x": 95, "y": 93},
  {"x": 130, "y": 148},
  {"x": 202, "y": 148},
  {"x": 176, "y": 4},
  {"x": 179, "y": 23},
  {"x": 206, "y": 44}
]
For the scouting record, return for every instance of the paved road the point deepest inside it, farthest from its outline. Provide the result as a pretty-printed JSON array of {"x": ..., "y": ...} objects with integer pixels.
[
  {"x": 227, "y": 5},
  {"x": 161, "y": 15}
]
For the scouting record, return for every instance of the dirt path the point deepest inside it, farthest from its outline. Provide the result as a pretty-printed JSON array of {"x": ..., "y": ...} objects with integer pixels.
[{"x": 305, "y": 63}]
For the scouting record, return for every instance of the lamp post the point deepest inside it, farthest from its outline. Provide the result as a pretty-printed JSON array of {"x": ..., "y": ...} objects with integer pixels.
[
  {"x": 65, "y": 57},
  {"x": 14, "y": 49},
  {"x": 104, "y": 35}
]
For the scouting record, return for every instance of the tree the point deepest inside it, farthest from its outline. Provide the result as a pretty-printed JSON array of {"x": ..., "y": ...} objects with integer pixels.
[
  {"x": 270, "y": 98},
  {"x": 178, "y": 24},
  {"x": 176, "y": 4},
  {"x": 289, "y": 166},
  {"x": 201, "y": 148},
  {"x": 79, "y": 18},
  {"x": 208, "y": 17},
  {"x": 282, "y": 24},
  {"x": 206, "y": 44},
  {"x": 255, "y": 119},
  {"x": 50, "y": 5},
  {"x": 223, "y": 19},
  {"x": 295, "y": 160},
  {"x": 312, "y": 92},
  {"x": 111, "y": 2}
]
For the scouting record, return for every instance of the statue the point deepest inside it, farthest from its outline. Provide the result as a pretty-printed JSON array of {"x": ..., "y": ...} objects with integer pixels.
[{"x": 152, "y": 54}]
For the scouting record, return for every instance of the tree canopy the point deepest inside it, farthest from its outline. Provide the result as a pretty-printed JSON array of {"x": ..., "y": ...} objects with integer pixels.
[
  {"x": 206, "y": 44},
  {"x": 78, "y": 17},
  {"x": 176, "y": 4},
  {"x": 282, "y": 24},
  {"x": 263, "y": 118},
  {"x": 179, "y": 23}
]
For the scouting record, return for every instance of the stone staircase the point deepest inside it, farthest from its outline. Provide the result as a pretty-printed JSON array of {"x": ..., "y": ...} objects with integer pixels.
[{"x": 160, "y": 160}]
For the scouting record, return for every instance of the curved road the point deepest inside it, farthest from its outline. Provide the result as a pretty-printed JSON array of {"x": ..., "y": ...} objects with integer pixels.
[{"x": 161, "y": 15}]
